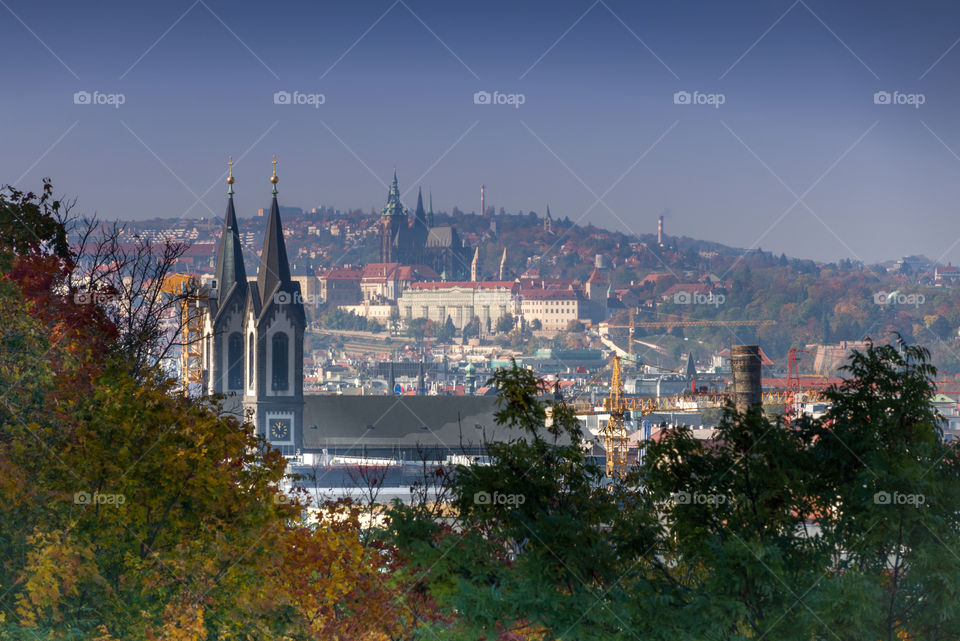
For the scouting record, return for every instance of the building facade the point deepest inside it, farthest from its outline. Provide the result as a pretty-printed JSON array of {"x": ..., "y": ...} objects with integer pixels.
[
  {"x": 420, "y": 242},
  {"x": 253, "y": 334},
  {"x": 460, "y": 302}
]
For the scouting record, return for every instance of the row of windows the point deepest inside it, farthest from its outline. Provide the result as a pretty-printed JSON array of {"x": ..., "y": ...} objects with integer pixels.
[{"x": 280, "y": 345}]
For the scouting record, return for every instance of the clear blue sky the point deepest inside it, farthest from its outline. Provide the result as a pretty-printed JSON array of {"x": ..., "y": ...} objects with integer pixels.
[{"x": 599, "y": 118}]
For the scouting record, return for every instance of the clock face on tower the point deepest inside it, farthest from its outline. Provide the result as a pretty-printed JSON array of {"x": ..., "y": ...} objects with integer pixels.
[{"x": 280, "y": 429}]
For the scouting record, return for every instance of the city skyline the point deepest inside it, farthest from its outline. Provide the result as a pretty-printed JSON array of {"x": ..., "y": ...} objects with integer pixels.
[{"x": 793, "y": 148}]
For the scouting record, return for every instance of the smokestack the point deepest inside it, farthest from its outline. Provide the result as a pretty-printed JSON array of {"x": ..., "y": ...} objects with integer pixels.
[
  {"x": 660, "y": 231},
  {"x": 746, "y": 371},
  {"x": 483, "y": 210}
]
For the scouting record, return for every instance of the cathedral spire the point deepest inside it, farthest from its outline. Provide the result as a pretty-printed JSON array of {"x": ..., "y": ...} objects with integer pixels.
[
  {"x": 230, "y": 269},
  {"x": 430, "y": 212},
  {"x": 420, "y": 217},
  {"x": 393, "y": 207},
  {"x": 274, "y": 266}
]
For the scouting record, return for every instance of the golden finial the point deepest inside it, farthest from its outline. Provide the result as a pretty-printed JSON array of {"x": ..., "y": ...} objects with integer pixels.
[
  {"x": 274, "y": 178},
  {"x": 230, "y": 176}
]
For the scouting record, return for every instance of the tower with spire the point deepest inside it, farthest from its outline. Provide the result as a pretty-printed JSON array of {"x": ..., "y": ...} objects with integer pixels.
[
  {"x": 224, "y": 324},
  {"x": 393, "y": 219},
  {"x": 419, "y": 241},
  {"x": 274, "y": 324}
]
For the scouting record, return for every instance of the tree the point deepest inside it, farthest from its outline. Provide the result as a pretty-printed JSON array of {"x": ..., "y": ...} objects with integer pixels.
[
  {"x": 504, "y": 324},
  {"x": 536, "y": 325},
  {"x": 893, "y": 533},
  {"x": 128, "y": 511},
  {"x": 472, "y": 329},
  {"x": 527, "y": 548},
  {"x": 447, "y": 330}
]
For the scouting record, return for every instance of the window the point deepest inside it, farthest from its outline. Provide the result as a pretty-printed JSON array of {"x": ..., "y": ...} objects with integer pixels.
[
  {"x": 235, "y": 361},
  {"x": 250, "y": 359},
  {"x": 280, "y": 351}
]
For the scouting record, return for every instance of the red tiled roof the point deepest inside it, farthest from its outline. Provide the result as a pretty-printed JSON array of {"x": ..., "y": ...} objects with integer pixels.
[{"x": 548, "y": 294}]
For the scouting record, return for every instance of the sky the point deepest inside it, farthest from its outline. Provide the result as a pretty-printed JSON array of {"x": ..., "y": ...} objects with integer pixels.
[{"x": 754, "y": 124}]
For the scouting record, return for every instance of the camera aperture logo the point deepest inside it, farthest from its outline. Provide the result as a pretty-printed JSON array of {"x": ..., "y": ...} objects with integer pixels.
[
  {"x": 899, "y": 98},
  {"x": 499, "y": 98},
  {"x": 299, "y": 98},
  {"x": 498, "y": 498},
  {"x": 699, "y": 98},
  {"x": 99, "y": 98},
  {"x": 98, "y": 498}
]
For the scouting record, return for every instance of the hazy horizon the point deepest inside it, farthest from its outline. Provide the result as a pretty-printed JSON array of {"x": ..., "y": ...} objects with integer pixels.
[{"x": 803, "y": 156}]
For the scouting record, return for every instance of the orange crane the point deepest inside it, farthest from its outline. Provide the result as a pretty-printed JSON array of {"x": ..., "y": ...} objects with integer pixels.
[{"x": 193, "y": 302}]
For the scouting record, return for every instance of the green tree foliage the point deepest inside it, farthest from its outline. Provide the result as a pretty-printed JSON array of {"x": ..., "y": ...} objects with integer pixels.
[
  {"x": 337, "y": 318},
  {"x": 843, "y": 527}
]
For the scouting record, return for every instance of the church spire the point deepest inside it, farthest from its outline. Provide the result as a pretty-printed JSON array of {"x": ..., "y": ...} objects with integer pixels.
[
  {"x": 420, "y": 217},
  {"x": 430, "y": 212},
  {"x": 230, "y": 268},
  {"x": 274, "y": 266},
  {"x": 393, "y": 207}
]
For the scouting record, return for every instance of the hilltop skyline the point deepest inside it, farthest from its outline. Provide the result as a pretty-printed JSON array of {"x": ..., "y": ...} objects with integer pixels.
[{"x": 790, "y": 151}]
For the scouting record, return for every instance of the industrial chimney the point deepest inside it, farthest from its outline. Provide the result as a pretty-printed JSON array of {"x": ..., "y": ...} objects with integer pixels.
[
  {"x": 746, "y": 371},
  {"x": 660, "y": 231},
  {"x": 483, "y": 210}
]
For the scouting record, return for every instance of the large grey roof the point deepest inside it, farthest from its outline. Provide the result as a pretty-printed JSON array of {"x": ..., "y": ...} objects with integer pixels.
[
  {"x": 442, "y": 236},
  {"x": 341, "y": 422}
]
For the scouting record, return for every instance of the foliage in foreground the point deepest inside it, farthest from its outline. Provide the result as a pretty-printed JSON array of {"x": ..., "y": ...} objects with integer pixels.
[
  {"x": 840, "y": 528},
  {"x": 130, "y": 512}
]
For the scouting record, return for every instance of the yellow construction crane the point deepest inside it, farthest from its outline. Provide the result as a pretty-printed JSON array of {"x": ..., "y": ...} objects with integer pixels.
[
  {"x": 616, "y": 404},
  {"x": 192, "y": 310}
]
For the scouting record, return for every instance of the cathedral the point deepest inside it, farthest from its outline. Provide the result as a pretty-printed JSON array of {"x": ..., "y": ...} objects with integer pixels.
[
  {"x": 253, "y": 332},
  {"x": 420, "y": 243}
]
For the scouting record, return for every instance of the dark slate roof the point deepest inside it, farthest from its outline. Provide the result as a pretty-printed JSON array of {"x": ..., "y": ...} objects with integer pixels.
[
  {"x": 341, "y": 422},
  {"x": 230, "y": 271},
  {"x": 443, "y": 236},
  {"x": 274, "y": 267}
]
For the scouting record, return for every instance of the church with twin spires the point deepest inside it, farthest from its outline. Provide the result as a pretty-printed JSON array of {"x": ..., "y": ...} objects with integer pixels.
[{"x": 253, "y": 331}]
